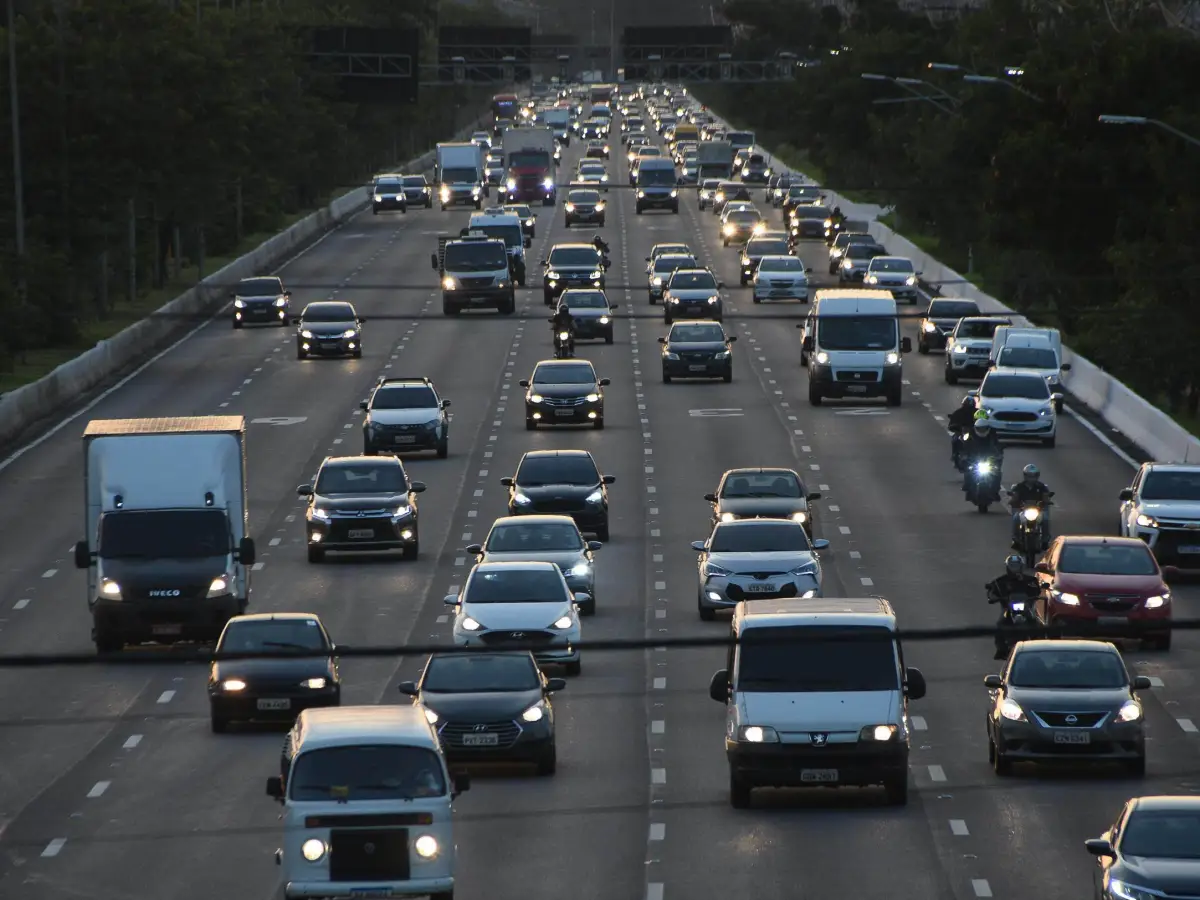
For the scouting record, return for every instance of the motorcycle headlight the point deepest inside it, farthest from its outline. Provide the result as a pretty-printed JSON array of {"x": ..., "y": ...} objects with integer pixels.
[
  {"x": 564, "y": 335},
  {"x": 563, "y": 623},
  {"x": 444, "y": 193},
  {"x": 449, "y": 284},
  {"x": 595, "y": 497},
  {"x": 535, "y": 713},
  {"x": 1031, "y": 513},
  {"x": 1130, "y": 711},
  {"x": 847, "y": 264},
  {"x": 219, "y": 586},
  {"x": 469, "y": 624},
  {"x": 983, "y": 468},
  {"x": 521, "y": 499},
  {"x": 511, "y": 184},
  {"x": 547, "y": 183},
  {"x": 1018, "y": 606}
]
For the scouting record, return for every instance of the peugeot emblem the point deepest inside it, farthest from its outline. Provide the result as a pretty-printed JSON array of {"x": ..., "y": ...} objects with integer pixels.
[
  {"x": 1072, "y": 719},
  {"x": 818, "y": 739},
  {"x": 368, "y": 849}
]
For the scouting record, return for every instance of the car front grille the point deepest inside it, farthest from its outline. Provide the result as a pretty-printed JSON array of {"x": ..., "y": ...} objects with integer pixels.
[
  {"x": 1063, "y": 719},
  {"x": 564, "y": 401},
  {"x": 340, "y": 528},
  {"x": 564, "y": 505},
  {"x": 476, "y": 283},
  {"x": 1115, "y": 603},
  {"x": 858, "y": 376},
  {"x": 368, "y": 854},
  {"x": 1016, "y": 417},
  {"x": 452, "y": 733},
  {"x": 516, "y": 638}
]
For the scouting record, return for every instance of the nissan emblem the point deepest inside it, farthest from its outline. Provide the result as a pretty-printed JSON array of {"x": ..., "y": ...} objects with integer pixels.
[{"x": 1071, "y": 720}]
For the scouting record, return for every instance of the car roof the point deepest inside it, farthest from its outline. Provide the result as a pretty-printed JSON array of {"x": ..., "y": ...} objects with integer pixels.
[
  {"x": 538, "y": 454},
  {"x": 1096, "y": 540},
  {"x": 385, "y": 460},
  {"x": 891, "y": 259},
  {"x": 759, "y": 470},
  {"x": 560, "y": 363},
  {"x": 758, "y": 523},
  {"x": 1077, "y": 646},
  {"x": 692, "y": 270},
  {"x": 1166, "y": 803},
  {"x": 797, "y": 611},
  {"x": 1171, "y": 467},
  {"x": 279, "y": 616},
  {"x": 1014, "y": 373},
  {"x": 340, "y": 726},
  {"x": 318, "y": 305},
  {"x": 771, "y": 256},
  {"x": 524, "y": 565},
  {"x": 682, "y": 324},
  {"x": 574, "y": 245},
  {"x": 533, "y": 520}
]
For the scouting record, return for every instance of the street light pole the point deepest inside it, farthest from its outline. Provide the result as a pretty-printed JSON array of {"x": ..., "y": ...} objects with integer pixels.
[
  {"x": 612, "y": 39},
  {"x": 1142, "y": 120},
  {"x": 992, "y": 79},
  {"x": 15, "y": 104},
  {"x": 907, "y": 84}
]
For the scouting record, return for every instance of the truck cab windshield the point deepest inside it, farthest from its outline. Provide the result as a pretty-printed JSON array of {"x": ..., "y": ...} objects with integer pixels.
[
  {"x": 528, "y": 159},
  {"x": 510, "y": 234},
  {"x": 856, "y": 332},
  {"x": 164, "y": 534},
  {"x": 817, "y": 659},
  {"x": 459, "y": 176},
  {"x": 475, "y": 258}
]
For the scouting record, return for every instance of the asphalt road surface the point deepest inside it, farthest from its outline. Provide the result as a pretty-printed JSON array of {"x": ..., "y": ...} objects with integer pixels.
[{"x": 112, "y": 786}]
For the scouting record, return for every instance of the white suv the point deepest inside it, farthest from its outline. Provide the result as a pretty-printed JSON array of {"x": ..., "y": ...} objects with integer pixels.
[{"x": 1162, "y": 507}]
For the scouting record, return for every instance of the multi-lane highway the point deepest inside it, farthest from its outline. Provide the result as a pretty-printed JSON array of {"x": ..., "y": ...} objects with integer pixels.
[{"x": 113, "y": 787}]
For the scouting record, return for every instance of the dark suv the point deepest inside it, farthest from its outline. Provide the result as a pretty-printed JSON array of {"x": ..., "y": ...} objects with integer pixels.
[
  {"x": 564, "y": 483},
  {"x": 405, "y": 414},
  {"x": 572, "y": 266},
  {"x": 261, "y": 300}
]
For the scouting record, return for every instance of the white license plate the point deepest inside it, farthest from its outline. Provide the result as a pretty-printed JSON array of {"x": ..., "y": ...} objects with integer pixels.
[
  {"x": 1190, "y": 548},
  {"x": 697, "y": 368},
  {"x": 275, "y": 704},
  {"x": 372, "y": 892},
  {"x": 406, "y": 439},
  {"x": 362, "y": 534},
  {"x": 819, "y": 776},
  {"x": 167, "y": 629},
  {"x": 564, "y": 412},
  {"x": 856, "y": 388},
  {"x": 760, "y": 589},
  {"x": 1072, "y": 737},
  {"x": 481, "y": 740}
]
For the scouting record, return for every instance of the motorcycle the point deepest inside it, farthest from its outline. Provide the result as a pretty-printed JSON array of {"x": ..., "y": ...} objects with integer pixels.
[
  {"x": 564, "y": 344},
  {"x": 958, "y": 442},
  {"x": 1031, "y": 537},
  {"x": 982, "y": 483},
  {"x": 1016, "y": 609},
  {"x": 832, "y": 231}
]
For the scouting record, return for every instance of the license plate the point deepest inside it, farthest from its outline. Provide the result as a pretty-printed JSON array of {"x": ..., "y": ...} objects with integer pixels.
[
  {"x": 819, "y": 776},
  {"x": 564, "y": 412},
  {"x": 1190, "y": 548},
  {"x": 167, "y": 629},
  {"x": 362, "y": 534},
  {"x": 275, "y": 704},
  {"x": 372, "y": 892},
  {"x": 1112, "y": 620},
  {"x": 697, "y": 368},
  {"x": 1072, "y": 737},
  {"x": 760, "y": 589},
  {"x": 479, "y": 301},
  {"x": 857, "y": 389},
  {"x": 406, "y": 439},
  {"x": 481, "y": 740}
]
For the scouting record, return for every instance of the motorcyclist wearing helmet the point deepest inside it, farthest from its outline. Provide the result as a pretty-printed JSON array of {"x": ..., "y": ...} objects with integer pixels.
[
  {"x": 981, "y": 444},
  {"x": 959, "y": 423},
  {"x": 562, "y": 320},
  {"x": 1013, "y": 582},
  {"x": 1030, "y": 491},
  {"x": 600, "y": 244}
]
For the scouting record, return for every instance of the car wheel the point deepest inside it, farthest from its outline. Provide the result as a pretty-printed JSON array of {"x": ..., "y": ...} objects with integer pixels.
[
  {"x": 574, "y": 668},
  {"x": 922, "y": 348},
  {"x": 814, "y": 395},
  {"x": 1048, "y": 442},
  {"x": 739, "y": 791},
  {"x": 896, "y": 790},
  {"x": 107, "y": 642},
  {"x": 666, "y": 376},
  {"x": 598, "y": 424},
  {"x": 218, "y": 724},
  {"x": 1136, "y": 767},
  {"x": 608, "y": 338},
  {"x": 547, "y": 763},
  {"x": 728, "y": 376},
  {"x": 602, "y": 533},
  {"x": 315, "y": 554},
  {"x": 300, "y": 354},
  {"x": 707, "y": 614},
  {"x": 1001, "y": 764},
  {"x": 413, "y": 550},
  {"x": 951, "y": 378},
  {"x": 443, "y": 448},
  {"x": 237, "y": 324},
  {"x": 530, "y": 425},
  {"x": 589, "y": 608}
]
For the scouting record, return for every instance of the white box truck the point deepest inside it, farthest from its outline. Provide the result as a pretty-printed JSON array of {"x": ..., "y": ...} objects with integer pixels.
[
  {"x": 167, "y": 551},
  {"x": 459, "y": 175}
]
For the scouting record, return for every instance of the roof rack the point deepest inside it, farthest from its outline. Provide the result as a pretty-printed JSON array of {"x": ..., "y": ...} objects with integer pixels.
[{"x": 402, "y": 379}]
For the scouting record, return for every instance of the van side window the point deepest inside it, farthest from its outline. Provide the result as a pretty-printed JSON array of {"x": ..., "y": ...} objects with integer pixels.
[{"x": 731, "y": 653}]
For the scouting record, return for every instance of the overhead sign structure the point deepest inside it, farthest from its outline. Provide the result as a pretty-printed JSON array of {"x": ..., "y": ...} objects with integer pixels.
[{"x": 372, "y": 65}]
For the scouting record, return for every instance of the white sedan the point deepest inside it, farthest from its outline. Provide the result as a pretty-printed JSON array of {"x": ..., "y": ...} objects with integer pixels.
[{"x": 781, "y": 278}]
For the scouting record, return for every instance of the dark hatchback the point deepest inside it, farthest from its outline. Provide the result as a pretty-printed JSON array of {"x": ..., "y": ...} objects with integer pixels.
[
  {"x": 563, "y": 483},
  {"x": 329, "y": 328},
  {"x": 489, "y": 707},
  {"x": 360, "y": 503},
  {"x": 276, "y": 686},
  {"x": 584, "y": 207},
  {"x": 758, "y": 247},
  {"x": 1151, "y": 851},
  {"x": 260, "y": 300},
  {"x": 572, "y": 265},
  {"x": 697, "y": 350},
  {"x": 564, "y": 392},
  {"x": 940, "y": 319},
  {"x": 808, "y": 222},
  {"x": 762, "y": 494}
]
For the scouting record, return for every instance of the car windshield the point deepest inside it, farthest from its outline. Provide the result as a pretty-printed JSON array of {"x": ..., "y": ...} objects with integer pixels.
[
  {"x": 540, "y": 471},
  {"x": 583, "y": 197},
  {"x": 574, "y": 256},
  {"x": 697, "y": 334},
  {"x": 494, "y": 673},
  {"x": 467, "y": 256},
  {"x": 259, "y": 287},
  {"x": 891, "y": 265},
  {"x": 1162, "y": 834},
  {"x": 804, "y": 193},
  {"x": 1172, "y": 485},
  {"x": 1067, "y": 669},
  {"x": 759, "y": 537},
  {"x": 417, "y": 397},
  {"x": 590, "y": 300},
  {"x": 692, "y": 281},
  {"x": 536, "y": 537},
  {"x": 649, "y": 152},
  {"x": 576, "y": 374},
  {"x": 781, "y": 264},
  {"x": 762, "y": 484},
  {"x": 367, "y": 772},
  {"x": 863, "y": 251},
  {"x": 744, "y": 216},
  {"x": 164, "y": 534},
  {"x": 515, "y": 586},
  {"x": 767, "y": 247},
  {"x": 856, "y": 332},
  {"x": 670, "y": 249},
  {"x": 415, "y": 181},
  {"x": 389, "y": 187},
  {"x": 328, "y": 312},
  {"x": 952, "y": 309},
  {"x": 710, "y": 184},
  {"x": 592, "y": 169},
  {"x": 812, "y": 212},
  {"x": 523, "y": 211},
  {"x": 658, "y": 176},
  {"x": 361, "y": 478},
  {"x": 977, "y": 330},
  {"x": 817, "y": 659},
  {"x": 1028, "y": 358},
  {"x": 1106, "y": 559},
  {"x": 267, "y": 635},
  {"x": 664, "y": 264},
  {"x": 510, "y": 234},
  {"x": 1024, "y": 387}
]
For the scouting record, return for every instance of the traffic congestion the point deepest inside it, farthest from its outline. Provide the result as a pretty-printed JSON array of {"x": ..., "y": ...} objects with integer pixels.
[{"x": 654, "y": 387}]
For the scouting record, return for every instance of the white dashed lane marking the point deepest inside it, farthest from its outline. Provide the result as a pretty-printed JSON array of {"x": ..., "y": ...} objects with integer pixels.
[
  {"x": 1187, "y": 725},
  {"x": 937, "y": 773},
  {"x": 658, "y": 831},
  {"x": 22, "y": 603},
  {"x": 54, "y": 848},
  {"x": 660, "y": 684},
  {"x": 132, "y": 741},
  {"x": 98, "y": 789},
  {"x": 958, "y": 827},
  {"x": 50, "y": 573},
  {"x": 919, "y": 723},
  {"x": 275, "y": 541},
  {"x": 658, "y": 776},
  {"x": 166, "y": 696},
  {"x": 981, "y": 887}
]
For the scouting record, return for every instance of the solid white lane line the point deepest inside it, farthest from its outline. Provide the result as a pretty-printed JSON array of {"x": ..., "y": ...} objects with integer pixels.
[
  {"x": 1102, "y": 438},
  {"x": 54, "y": 848},
  {"x": 166, "y": 696},
  {"x": 919, "y": 723},
  {"x": 98, "y": 789},
  {"x": 658, "y": 831},
  {"x": 937, "y": 773},
  {"x": 981, "y": 887},
  {"x": 1187, "y": 725},
  {"x": 958, "y": 827}
]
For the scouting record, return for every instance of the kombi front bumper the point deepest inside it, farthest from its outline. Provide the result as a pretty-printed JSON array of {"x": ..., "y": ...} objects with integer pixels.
[{"x": 806, "y": 765}]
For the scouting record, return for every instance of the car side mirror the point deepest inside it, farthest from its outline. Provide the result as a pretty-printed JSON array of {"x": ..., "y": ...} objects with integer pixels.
[
  {"x": 474, "y": 549},
  {"x": 507, "y": 482},
  {"x": 1065, "y": 367},
  {"x": 993, "y": 681},
  {"x": 524, "y": 382},
  {"x": 614, "y": 306},
  {"x": 462, "y": 784},
  {"x": 362, "y": 404},
  {"x": 806, "y": 344},
  {"x": 288, "y": 294},
  {"x": 820, "y": 544},
  {"x": 275, "y": 787},
  {"x": 604, "y": 382},
  {"x": 433, "y": 260},
  {"x": 409, "y": 688},
  {"x": 450, "y": 600},
  {"x": 1043, "y": 569},
  {"x": 608, "y": 264},
  {"x": 361, "y": 319},
  {"x": 608, "y": 479},
  {"x": 304, "y": 490},
  {"x": 1100, "y": 847},
  {"x": 711, "y": 498},
  {"x": 1057, "y": 398},
  {"x": 553, "y": 685},
  {"x": 915, "y": 682},
  {"x": 720, "y": 284},
  {"x": 83, "y": 555},
  {"x": 718, "y": 687},
  {"x": 1126, "y": 495},
  {"x": 233, "y": 294},
  {"x": 906, "y": 345},
  {"x": 813, "y": 495},
  {"x": 808, "y": 271},
  {"x": 974, "y": 393},
  {"x": 446, "y": 404},
  {"x": 699, "y": 546},
  {"x": 647, "y": 260},
  {"x": 662, "y": 340},
  {"x": 1170, "y": 571},
  {"x": 1141, "y": 683},
  {"x": 246, "y": 552},
  {"x": 732, "y": 338},
  {"x": 544, "y": 264}
]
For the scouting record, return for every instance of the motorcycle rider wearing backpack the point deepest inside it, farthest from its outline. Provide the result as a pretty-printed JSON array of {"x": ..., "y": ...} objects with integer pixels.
[
  {"x": 1030, "y": 491},
  {"x": 1013, "y": 581}
]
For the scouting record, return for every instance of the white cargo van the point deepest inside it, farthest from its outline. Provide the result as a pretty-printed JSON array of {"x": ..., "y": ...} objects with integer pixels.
[
  {"x": 1005, "y": 333},
  {"x": 366, "y": 798},
  {"x": 817, "y": 694},
  {"x": 1034, "y": 353},
  {"x": 852, "y": 346}
]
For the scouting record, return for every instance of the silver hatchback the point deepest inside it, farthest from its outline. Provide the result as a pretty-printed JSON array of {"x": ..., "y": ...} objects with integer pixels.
[{"x": 554, "y": 539}]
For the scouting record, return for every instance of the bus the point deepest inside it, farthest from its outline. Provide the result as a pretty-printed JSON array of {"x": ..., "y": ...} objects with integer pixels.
[{"x": 504, "y": 106}]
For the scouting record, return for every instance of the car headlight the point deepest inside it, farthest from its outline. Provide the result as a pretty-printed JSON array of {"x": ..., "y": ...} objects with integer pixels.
[
  {"x": 314, "y": 684},
  {"x": 656, "y": 281},
  {"x": 604, "y": 178},
  {"x": 219, "y": 586},
  {"x": 1126, "y": 891},
  {"x": 604, "y": 320},
  {"x": 800, "y": 517},
  {"x": 552, "y": 275},
  {"x": 349, "y": 333},
  {"x": 592, "y": 398},
  {"x": 281, "y": 301},
  {"x": 426, "y": 846},
  {"x": 674, "y": 193},
  {"x": 871, "y": 279},
  {"x": 929, "y": 328},
  {"x": 1011, "y": 710},
  {"x": 724, "y": 354},
  {"x": 807, "y": 568},
  {"x": 469, "y": 624},
  {"x": 239, "y": 304},
  {"x": 449, "y": 284},
  {"x": 729, "y": 229},
  {"x": 233, "y": 685},
  {"x": 758, "y": 734},
  {"x": 110, "y": 589},
  {"x": 563, "y": 623},
  {"x": 600, "y": 206},
  {"x": 569, "y": 207},
  {"x": 529, "y": 223},
  {"x": 444, "y": 193},
  {"x": 669, "y": 355},
  {"x": 401, "y": 511},
  {"x": 1047, "y": 410},
  {"x": 595, "y": 497},
  {"x": 599, "y": 273},
  {"x": 581, "y": 569},
  {"x": 511, "y": 184},
  {"x": 313, "y": 850},
  {"x": 1066, "y": 598},
  {"x": 536, "y": 398},
  {"x": 521, "y": 499},
  {"x": 475, "y": 190},
  {"x": 877, "y": 733},
  {"x": 714, "y": 571},
  {"x": 1147, "y": 521},
  {"x": 847, "y": 264},
  {"x": 822, "y": 358},
  {"x": 378, "y": 198},
  {"x": 322, "y": 514},
  {"x": 431, "y": 717},
  {"x": 535, "y": 713},
  {"x": 959, "y": 349},
  {"x": 306, "y": 334},
  {"x": 892, "y": 359},
  {"x": 910, "y": 280},
  {"x": 1130, "y": 711},
  {"x": 1158, "y": 600},
  {"x": 1031, "y": 513}
]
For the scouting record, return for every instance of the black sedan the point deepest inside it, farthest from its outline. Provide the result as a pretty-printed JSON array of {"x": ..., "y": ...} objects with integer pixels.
[
  {"x": 527, "y": 215},
  {"x": 757, "y": 493},
  {"x": 808, "y": 222},
  {"x": 591, "y": 313},
  {"x": 489, "y": 707},
  {"x": 697, "y": 350},
  {"x": 769, "y": 244},
  {"x": 274, "y": 687},
  {"x": 939, "y": 321},
  {"x": 329, "y": 328},
  {"x": 1150, "y": 851},
  {"x": 564, "y": 392},
  {"x": 561, "y": 483}
]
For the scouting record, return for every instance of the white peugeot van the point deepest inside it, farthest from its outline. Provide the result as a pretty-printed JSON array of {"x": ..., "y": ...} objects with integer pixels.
[
  {"x": 816, "y": 694},
  {"x": 367, "y": 805},
  {"x": 852, "y": 346}
]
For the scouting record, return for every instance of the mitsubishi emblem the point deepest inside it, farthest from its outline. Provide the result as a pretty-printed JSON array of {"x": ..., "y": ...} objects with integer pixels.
[
  {"x": 1072, "y": 719},
  {"x": 818, "y": 739}
]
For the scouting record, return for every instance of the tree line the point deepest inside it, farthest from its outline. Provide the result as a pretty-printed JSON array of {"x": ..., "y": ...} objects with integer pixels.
[
  {"x": 156, "y": 136},
  {"x": 1090, "y": 227}
]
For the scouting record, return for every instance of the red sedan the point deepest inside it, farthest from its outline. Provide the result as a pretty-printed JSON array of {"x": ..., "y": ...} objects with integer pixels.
[{"x": 1103, "y": 582}]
